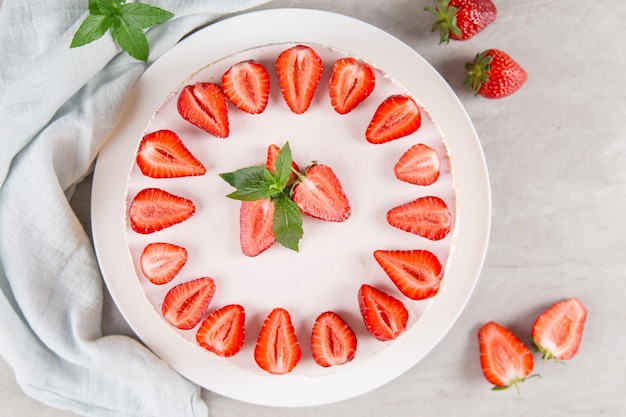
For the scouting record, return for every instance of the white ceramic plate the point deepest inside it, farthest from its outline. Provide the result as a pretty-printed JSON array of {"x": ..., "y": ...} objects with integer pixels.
[{"x": 376, "y": 363}]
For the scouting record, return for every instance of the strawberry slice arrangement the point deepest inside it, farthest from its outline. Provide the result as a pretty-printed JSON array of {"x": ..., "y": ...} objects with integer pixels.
[{"x": 278, "y": 199}]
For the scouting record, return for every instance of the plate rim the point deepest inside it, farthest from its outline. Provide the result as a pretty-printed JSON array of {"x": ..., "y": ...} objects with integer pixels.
[{"x": 301, "y": 25}]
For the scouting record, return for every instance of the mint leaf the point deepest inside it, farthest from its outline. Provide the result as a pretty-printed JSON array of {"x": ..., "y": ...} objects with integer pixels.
[
  {"x": 131, "y": 39},
  {"x": 102, "y": 7},
  {"x": 92, "y": 28},
  {"x": 282, "y": 166},
  {"x": 243, "y": 176},
  {"x": 143, "y": 15},
  {"x": 287, "y": 222},
  {"x": 252, "y": 183}
]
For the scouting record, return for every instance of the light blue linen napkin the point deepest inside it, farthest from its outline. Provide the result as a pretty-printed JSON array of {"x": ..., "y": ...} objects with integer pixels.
[{"x": 57, "y": 106}]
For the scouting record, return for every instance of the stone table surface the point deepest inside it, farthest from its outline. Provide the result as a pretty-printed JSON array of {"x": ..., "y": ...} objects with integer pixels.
[{"x": 556, "y": 154}]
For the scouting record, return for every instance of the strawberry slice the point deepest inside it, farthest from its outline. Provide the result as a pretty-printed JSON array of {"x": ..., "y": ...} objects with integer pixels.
[
  {"x": 504, "y": 359},
  {"x": 256, "y": 222},
  {"x": 332, "y": 341},
  {"x": 277, "y": 350},
  {"x": 247, "y": 86},
  {"x": 204, "y": 105},
  {"x": 385, "y": 316},
  {"x": 184, "y": 304},
  {"x": 154, "y": 209},
  {"x": 426, "y": 216},
  {"x": 162, "y": 154},
  {"x": 416, "y": 273},
  {"x": 160, "y": 262},
  {"x": 350, "y": 83},
  {"x": 299, "y": 71},
  {"x": 557, "y": 332},
  {"x": 397, "y": 116},
  {"x": 419, "y": 165},
  {"x": 223, "y": 331},
  {"x": 319, "y": 194},
  {"x": 272, "y": 152}
]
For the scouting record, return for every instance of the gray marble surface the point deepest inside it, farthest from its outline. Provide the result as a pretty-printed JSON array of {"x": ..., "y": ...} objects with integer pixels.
[{"x": 556, "y": 153}]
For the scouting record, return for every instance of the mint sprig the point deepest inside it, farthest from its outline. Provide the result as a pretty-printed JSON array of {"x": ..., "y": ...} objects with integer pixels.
[
  {"x": 125, "y": 21},
  {"x": 258, "y": 182}
]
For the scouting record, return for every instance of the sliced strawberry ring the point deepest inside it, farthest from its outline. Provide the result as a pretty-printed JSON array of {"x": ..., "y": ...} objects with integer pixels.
[
  {"x": 299, "y": 71},
  {"x": 161, "y": 261},
  {"x": 154, "y": 209},
  {"x": 425, "y": 216},
  {"x": 223, "y": 331},
  {"x": 417, "y": 273},
  {"x": 385, "y": 316},
  {"x": 277, "y": 350},
  {"x": 419, "y": 165},
  {"x": 204, "y": 105},
  {"x": 333, "y": 342},
  {"x": 184, "y": 304},
  {"x": 351, "y": 82},
  {"x": 397, "y": 116},
  {"x": 247, "y": 86},
  {"x": 162, "y": 154}
]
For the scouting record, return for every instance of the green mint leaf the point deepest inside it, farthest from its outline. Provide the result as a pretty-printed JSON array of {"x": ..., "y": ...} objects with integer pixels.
[
  {"x": 282, "y": 166},
  {"x": 251, "y": 183},
  {"x": 92, "y": 28},
  {"x": 130, "y": 38},
  {"x": 102, "y": 7},
  {"x": 144, "y": 15},
  {"x": 287, "y": 222},
  {"x": 243, "y": 176}
]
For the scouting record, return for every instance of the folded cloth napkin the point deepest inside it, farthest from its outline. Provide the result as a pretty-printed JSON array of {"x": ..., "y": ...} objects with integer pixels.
[{"x": 57, "y": 106}]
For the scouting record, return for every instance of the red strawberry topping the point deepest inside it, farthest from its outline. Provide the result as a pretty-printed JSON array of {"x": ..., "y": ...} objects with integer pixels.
[
  {"x": 154, "y": 209},
  {"x": 504, "y": 359},
  {"x": 350, "y": 83},
  {"x": 299, "y": 71},
  {"x": 416, "y": 273},
  {"x": 426, "y": 216},
  {"x": 247, "y": 86},
  {"x": 184, "y": 304},
  {"x": 223, "y": 331},
  {"x": 332, "y": 341},
  {"x": 162, "y": 154},
  {"x": 256, "y": 226},
  {"x": 320, "y": 194},
  {"x": 420, "y": 165},
  {"x": 557, "y": 332},
  {"x": 204, "y": 105},
  {"x": 277, "y": 350},
  {"x": 461, "y": 19},
  {"x": 494, "y": 74},
  {"x": 161, "y": 262},
  {"x": 385, "y": 316},
  {"x": 397, "y": 116}
]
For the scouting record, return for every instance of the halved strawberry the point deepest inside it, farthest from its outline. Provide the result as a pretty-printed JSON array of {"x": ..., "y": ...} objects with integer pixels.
[
  {"x": 426, "y": 216},
  {"x": 419, "y": 165},
  {"x": 223, "y": 331},
  {"x": 247, "y": 86},
  {"x": 272, "y": 152},
  {"x": 299, "y": 71},
  {"x": 161, "y": 262},
  {"x": 184, "y": 304},
  {"x": 204, "y": 105},
  {"x": 397, "y": 116},
  {"x": 417, "y": 273},
  {"x": 385, "y": 316},
  {"x": 162, "y": 154},
  {"x": 557, "y": 332},
  {"x": 255, "y": 226},
  {"x": 277, "y": 350},
  {"x": 154, "y": 209},
  {"x": 504, "y": 359},
  {"x": 320, "y": 194},
  {"x": 350, "y": 83},
  {"x": 333, "y": 342}
]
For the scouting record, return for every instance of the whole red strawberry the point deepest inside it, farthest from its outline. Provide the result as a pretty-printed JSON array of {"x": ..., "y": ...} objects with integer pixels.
[
  {"x": 494, "y": 74},
  {"x": 461, "y": 19}
]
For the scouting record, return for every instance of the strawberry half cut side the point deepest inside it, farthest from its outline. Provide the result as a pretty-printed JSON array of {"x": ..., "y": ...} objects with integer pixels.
[
  {"x": 277, "y": 350},
  {"x": 256, "y": 222},
  {"x": 504, "y": 359},
  {"x": 351, "y": 82},
  {"x": 426, "y": 216},
  {"x": 154, "y": 209},
  {"x": 333, "y": 342},
  {"x": 204, "y": 105},
  {"x": 162, "y": 154},
  {"x": 319, "y": 194},
  {"x": 397, "y": 116},
  {"x": 160, "y": 262},
  {"x": 185, "y": 303},
  {"x": 385, "y": 316},
  {"x": 419, "y": 165},
  {"x": 417, "y": 273},
  {"x": 299, "y": 70},
  {"x": 247, "y": 85},
  {"x": 557, "y": 332},
  {"x": 223, "y": 331}
]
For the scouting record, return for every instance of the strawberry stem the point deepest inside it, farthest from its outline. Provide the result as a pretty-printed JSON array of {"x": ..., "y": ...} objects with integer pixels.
[
  {"x": 478, "y": 71},
  {"x": 446, "y": 20}
]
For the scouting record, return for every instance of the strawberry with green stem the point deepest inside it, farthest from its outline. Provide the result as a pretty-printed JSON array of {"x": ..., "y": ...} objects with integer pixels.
[
  {"x": 461, "y": 19},
  {"x": 494, "y": 74}
]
